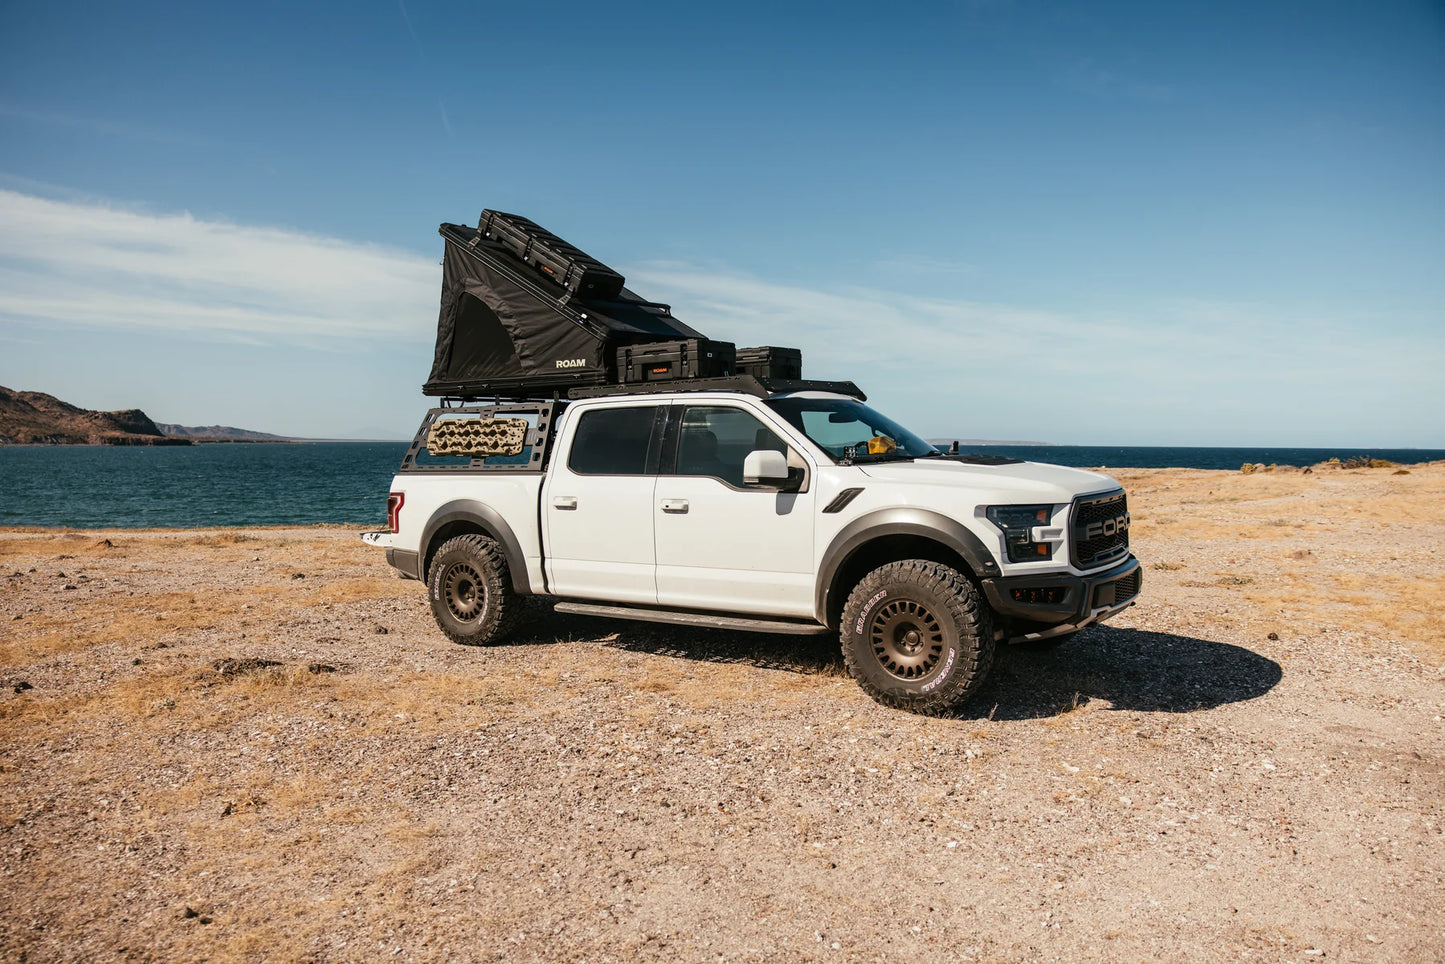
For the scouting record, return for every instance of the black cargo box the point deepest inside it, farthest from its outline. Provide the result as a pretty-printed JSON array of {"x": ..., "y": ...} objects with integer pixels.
[
  {"x": 666, "y": 361},
  {"x": 506, "y": 331},
  {"x": 770, "y": 362},
  {"x": 555, "y": 259}
]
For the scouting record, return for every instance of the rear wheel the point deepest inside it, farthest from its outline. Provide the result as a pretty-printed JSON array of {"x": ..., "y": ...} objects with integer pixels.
[
  {"x": 917, "y": 637},
  {"x": 470, "y": 589}
]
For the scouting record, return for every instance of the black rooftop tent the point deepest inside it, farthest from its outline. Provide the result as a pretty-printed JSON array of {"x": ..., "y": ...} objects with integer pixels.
[{"x": 508, "y": 330}]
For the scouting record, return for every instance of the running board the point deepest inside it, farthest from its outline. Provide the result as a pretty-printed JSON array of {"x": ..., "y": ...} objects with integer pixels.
[{"x": 701, "y": 620}]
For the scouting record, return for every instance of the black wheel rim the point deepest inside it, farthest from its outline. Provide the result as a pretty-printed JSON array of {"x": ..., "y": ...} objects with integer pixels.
[
  {"x": 907, "y": 639},
  {"x": 463, "y": 592}
]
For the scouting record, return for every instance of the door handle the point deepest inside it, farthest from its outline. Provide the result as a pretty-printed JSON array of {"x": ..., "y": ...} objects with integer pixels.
[
  {"x": 675, "y": 506},
  {"x": 564, "y": 502}
]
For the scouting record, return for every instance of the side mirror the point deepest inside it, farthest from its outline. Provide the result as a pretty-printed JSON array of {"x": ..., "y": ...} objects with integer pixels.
[{"x": 765, "y": 467}]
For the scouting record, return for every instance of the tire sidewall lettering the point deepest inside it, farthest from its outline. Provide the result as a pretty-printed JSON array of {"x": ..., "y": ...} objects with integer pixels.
[
  {"x": 867, "y": 611},
  {"x": 943, "y": 673}
]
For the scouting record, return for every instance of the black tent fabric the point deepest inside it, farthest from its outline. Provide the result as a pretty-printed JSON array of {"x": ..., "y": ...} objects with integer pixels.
[{"x": 506, "y": 330}]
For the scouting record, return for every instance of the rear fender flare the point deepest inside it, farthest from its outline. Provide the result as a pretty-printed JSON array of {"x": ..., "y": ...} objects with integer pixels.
[
  {"x": 897, "y": 521},
  {"x": 490, "y": 521}
]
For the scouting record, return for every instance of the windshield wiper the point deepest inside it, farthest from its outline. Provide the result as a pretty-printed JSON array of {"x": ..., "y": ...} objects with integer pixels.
[{"x": 863, "y": 458}]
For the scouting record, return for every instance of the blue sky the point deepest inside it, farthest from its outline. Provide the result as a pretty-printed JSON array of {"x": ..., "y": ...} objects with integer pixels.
[{"x": 1099, "y": 223}]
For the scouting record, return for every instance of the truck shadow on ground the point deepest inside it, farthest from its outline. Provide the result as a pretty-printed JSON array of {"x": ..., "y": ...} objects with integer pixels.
[{"x": 1128, "y": 669}]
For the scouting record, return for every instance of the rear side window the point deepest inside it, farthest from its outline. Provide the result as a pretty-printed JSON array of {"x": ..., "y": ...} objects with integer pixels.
[{"x": 615, "y": 441}]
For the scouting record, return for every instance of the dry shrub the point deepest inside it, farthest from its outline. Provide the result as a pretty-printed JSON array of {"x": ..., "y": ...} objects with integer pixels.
[
  {"x": 358, "y": 590},
  {"x": 655, "y": 683},
  {"x": 42, "y": 548},
  {"x": 219, "y": 539}
]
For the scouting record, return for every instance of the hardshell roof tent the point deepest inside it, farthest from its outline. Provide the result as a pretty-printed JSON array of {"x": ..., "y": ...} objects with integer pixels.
[{"x": 526, "y": 315}]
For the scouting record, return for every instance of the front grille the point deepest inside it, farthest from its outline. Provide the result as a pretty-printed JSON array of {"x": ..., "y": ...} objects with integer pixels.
[
  {"x": 1109, "y": 540},
  {"x": 1120, "y": 590}
]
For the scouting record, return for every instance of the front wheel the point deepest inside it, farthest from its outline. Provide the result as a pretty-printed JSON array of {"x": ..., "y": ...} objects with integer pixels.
[
  {"x": 471, "y": 591},
  {"x": 917, "y": 637}
]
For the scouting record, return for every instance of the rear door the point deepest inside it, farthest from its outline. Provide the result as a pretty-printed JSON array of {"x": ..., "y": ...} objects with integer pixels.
[
  {"x": 722, "y": 544},
  {"x": 597, "y": 506}
]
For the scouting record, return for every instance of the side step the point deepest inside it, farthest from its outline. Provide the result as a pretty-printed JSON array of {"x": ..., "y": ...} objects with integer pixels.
[{"x": 704, "y": 620}]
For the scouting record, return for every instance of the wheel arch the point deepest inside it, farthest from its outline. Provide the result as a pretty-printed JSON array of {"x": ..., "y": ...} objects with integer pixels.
[
  {"x": 463, "y": 516},
  {"x": 889, "y": 535}
]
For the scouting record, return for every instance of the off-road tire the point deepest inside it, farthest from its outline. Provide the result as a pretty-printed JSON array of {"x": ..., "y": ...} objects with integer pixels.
[
  {"x": 916, "y": 636},
  {"x": 470, "y": 589}
]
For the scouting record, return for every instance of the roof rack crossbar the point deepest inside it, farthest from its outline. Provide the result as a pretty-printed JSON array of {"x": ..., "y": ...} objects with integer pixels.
[{"x": 762, "y": 387}]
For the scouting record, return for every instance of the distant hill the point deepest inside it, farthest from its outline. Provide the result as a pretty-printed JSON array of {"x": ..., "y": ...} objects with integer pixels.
[
  {"x": 35, "y": 418},
  {"x": 227, "y": 432}
]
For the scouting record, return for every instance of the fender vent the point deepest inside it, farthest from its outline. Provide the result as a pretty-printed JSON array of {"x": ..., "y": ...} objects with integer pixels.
[{"x": 841, "y": 500}]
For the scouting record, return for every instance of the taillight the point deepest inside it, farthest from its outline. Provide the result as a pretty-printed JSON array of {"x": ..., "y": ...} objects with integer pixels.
[{"x": 393, "y": 510}]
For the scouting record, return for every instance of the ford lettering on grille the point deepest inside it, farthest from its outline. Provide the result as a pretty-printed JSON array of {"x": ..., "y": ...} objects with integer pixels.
[{"x": 1108, "y": 527}]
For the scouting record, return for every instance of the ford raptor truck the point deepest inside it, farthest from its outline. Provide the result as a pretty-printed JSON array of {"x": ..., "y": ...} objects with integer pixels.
[{"x": 738, "y": 504}]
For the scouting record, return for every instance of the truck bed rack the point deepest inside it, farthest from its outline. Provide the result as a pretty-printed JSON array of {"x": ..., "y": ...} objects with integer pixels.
[{"x": 537, "y": 443}]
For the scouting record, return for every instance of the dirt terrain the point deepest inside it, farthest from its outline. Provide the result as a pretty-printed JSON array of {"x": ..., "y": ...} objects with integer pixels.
[{"x": 256, "y": 745}]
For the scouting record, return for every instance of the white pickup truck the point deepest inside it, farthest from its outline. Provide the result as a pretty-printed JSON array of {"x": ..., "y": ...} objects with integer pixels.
[{"x": 801, "y": 511}]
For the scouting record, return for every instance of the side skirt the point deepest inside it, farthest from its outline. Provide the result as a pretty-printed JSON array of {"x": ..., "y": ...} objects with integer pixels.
[{"x": 706, "y": 620}]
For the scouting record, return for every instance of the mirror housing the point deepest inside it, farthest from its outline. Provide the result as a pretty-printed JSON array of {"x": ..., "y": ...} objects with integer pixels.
[{"x": 766, "y": 467}]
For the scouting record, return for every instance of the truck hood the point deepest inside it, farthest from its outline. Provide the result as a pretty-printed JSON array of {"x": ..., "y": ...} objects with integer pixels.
[{"x": 1024, "y": 480}]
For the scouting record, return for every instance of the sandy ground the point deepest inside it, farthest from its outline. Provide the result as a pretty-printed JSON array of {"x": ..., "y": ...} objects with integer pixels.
[{"x": 1249, "y": 765}]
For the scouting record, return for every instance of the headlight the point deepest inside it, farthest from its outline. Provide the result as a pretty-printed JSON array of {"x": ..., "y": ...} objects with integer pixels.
[{"x": 1025, "y": 532}]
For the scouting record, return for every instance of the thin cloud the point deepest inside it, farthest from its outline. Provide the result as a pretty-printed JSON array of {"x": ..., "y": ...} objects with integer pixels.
[
  {"x": 1086, "y": 77},
  {"x": 106, "y": 127},
  {"x": 96, "y": 265},
  {"x": 1182, "y": 350},
  {"x": 926, "y": 266},
  {"x": 406, "y": 17}
]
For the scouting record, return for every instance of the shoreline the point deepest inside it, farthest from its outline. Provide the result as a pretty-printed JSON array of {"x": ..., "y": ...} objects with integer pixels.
[{"x": 1320, "y": 472}]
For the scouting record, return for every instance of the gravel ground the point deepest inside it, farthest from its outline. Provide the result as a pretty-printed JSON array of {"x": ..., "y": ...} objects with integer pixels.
[{"x": 256, "y": 745}]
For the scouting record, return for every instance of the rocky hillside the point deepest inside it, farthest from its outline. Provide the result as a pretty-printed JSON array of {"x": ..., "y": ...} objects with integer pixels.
[
  {"x": 208, "y": 433},
  {"x": 37, "y": 418}
]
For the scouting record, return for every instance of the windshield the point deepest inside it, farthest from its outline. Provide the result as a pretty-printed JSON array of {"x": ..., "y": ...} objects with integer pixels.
[{"x": 842, "y": 427}]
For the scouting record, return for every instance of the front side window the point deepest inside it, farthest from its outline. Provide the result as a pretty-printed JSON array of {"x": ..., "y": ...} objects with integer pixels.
[
  {"x": 614, "y": 441},
  {"x": 715, "y": 440},
  {"x": 842, "y": 427}
]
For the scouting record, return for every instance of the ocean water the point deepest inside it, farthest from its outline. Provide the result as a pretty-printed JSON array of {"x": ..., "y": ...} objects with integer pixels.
[
  {"x": 196, "y": 486},
  {"x": 1163, "y": 457}
]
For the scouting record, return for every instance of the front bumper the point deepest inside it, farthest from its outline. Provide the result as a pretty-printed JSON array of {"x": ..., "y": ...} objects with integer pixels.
[{"x": 1063, "y": 603}]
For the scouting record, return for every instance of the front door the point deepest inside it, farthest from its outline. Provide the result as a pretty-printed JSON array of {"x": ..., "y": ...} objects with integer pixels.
[
  {"x": 722, "y": 544},
  {"x": 598, "y": 507}
]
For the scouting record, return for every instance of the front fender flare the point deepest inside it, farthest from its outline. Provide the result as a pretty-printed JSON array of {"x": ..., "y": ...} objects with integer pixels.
[
  {"x": 491, "y": 522},
  {"x": 898, "y": 521}
]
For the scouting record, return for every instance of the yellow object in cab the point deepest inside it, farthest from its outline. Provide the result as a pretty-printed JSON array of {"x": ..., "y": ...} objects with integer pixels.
[{"x": 881, "y": 445}]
